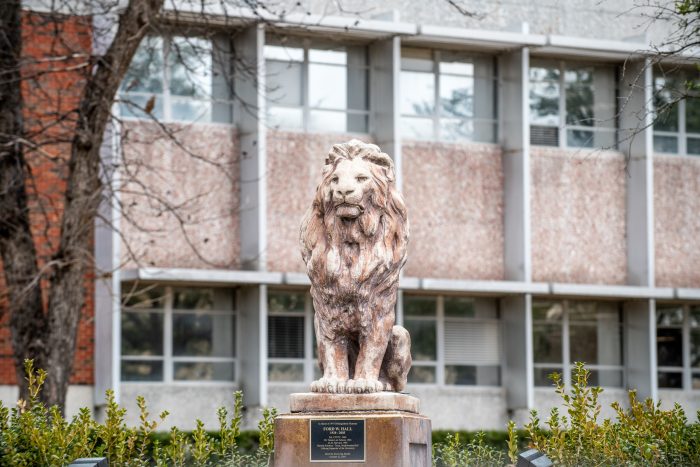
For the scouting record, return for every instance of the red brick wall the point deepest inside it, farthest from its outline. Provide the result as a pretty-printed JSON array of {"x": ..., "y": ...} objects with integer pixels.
[{"x": 51, "y": 91}]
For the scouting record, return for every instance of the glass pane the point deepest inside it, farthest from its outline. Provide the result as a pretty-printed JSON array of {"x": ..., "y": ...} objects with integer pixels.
[
  {"x": 472, "y": 375},
  {"x": 146, "y": 297},
  {"x": 285, "y": 118},
  {"x": 135, "y": 106},
  {"x": 668, "y": 144},
  {"x": 328, "y": 86},
  {"x": 421, "y": 374},
  {"x": 692, "y": 114},
  {"x": 416, "y": 59},
  {"x": 284, "y": 83},
  {"x": 579, "y": 105},
  {"x": 285, "y": 337},
  {"x": 669, "y": 344},
  {"x": 584, "y": 344},
  {"x": 286, "y": 301},
  {"x": 151, "y": 370},
  {"x": 423, "y": 339},
  {"x": 666, "y": 105},
  {"x": 337, "y": 57},
  {"x": 456, "y": 96},
  {"x": 327, "y": 121},
  {"x": 544, "y": 103},
  {"x": 417, "y": 93},
  {"x": 457, "y": 68},
  {"x": 695, "y": 348},
  {"x": 547, "y": 311},
  {"x": 203, "y": 371},
  {"x": 419, "y": 306},
  {"x": 284, "y": 54},
  {"x": 191, "y": 110},
  {"x": 693, "y": 146},
  {"x": 580, "y": 139},
  {"x": 695, "y": 380},
  {"x": 459, "y": 307},
  {"x": 142, "y": 333},
  {"x": 544, "y": 74},
  {"x": 190, "y": 67},
  {"x": 456, "y": 130},
  {"x": 604, "y": 378},
  {"x": 670, "y": 379},
  {"x": 145, "y": 72},
  {"x": 193, "y": 299},
  {"x": 542, "y": 375},
  {"x": 580, "y": 76},
  {"x": 358, "y": 123},
  {"x": 547, "y": 343},
  {"x": 203, "y": 335},
  {"x": 417, "y": 128},
  {"x": 357, "y": 95},
  {"x": 593, "y": 312},
  {"x": 285, "y": 372},
  {"x": 695, "y": 316},
  {"x": 669, "y": 315}
]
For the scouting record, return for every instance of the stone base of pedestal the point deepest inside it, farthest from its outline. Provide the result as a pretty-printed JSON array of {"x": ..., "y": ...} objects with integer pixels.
[
  {"x": 353, "y": 438},
  {"x": 323, "y": 402}
]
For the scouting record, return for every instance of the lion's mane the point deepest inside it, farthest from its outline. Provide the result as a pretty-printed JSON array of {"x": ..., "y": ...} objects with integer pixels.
[{"x": 346, "y": 260}]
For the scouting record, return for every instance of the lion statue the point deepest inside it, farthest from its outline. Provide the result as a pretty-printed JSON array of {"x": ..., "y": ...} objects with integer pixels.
[{"x": 353, "y": 241}]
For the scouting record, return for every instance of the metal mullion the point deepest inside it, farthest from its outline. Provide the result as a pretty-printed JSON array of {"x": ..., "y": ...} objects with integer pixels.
[
  {"x": 308, "y": 340},
  {"x": 440, "y": 331},
  {"x": 562, "y": 105},
  {"x": 168, "y": 337},
  {"x": 167, "y": 114},
  {"x": 682, "y": 143},
  {"x": 565, "y": 343},
  {"x": 685, "y": 340},
  {"x": 436, "y": 96},
  {"x": 203, "y": 359},
  {"x": 141, "y": 358}
]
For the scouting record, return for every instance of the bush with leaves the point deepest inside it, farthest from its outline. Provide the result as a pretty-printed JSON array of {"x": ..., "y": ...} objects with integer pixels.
[{"x": 34, "y": 435}]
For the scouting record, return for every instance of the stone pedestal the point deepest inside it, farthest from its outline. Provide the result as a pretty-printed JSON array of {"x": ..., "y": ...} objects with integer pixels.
[{"x": 382, "y": 429}]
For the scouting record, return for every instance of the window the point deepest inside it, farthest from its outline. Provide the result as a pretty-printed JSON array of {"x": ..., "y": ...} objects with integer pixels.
[
  {"x": 291, "y": 343},
  {"x": 178, "y": 79},
  {"x": 312, "y": 87},
  {"x": 565, "y": 332},
  {"x": 572, "y": 106},
  {"x": 178, "y": 334},
  {"x": 678, "y": 346},
  {"x": 447, "y": 96},
  {"x": 677, "y": 120},
  {"x": 454, "y": 340}
]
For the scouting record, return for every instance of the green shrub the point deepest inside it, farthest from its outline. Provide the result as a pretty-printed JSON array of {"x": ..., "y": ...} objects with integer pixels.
[{"x": 33, "y": 435}]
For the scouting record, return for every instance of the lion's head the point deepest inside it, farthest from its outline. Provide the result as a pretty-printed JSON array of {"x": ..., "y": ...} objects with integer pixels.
[{"x": 356, "y": 206}]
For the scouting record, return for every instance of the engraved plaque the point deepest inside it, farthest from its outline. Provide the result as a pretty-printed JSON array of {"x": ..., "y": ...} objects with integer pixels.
[{"x": 340, "y": 440}]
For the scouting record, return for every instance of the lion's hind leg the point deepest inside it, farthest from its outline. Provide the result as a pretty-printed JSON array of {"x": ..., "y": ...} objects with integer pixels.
[{"x": 397, "y": 360}]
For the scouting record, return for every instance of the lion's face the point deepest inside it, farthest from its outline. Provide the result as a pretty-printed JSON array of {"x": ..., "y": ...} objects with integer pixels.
[{"x": 349, "y": 182}]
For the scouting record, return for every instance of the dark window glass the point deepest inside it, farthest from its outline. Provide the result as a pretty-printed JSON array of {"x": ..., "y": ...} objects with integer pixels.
[
  {"x": 670, "y": 379},
  {"x": 285, "y": 337},
  {"x": 142, "y": 333},
  {"x": 669, "y": 344},
  {"x": 142, "y": 370}
]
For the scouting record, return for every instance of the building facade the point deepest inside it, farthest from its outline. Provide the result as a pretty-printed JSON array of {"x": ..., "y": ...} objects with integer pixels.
[{"x": 552, "y": 194}]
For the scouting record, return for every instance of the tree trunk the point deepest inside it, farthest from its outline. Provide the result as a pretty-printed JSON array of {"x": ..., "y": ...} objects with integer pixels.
[{"x": 27, "y": 319}]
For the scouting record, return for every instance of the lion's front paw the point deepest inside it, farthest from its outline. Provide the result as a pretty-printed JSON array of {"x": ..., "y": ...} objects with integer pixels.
[
  {"x": 363, "y": 386},
  {"x": 330, "y": 385}
]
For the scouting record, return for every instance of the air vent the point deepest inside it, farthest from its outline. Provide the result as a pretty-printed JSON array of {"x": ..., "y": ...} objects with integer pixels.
[{"x": 544, "y": 135}]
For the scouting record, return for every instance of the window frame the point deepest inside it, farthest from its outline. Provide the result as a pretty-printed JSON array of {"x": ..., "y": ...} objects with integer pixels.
[
  {"x": 686, "y": 327},
  {"x": 566, "y": 366},
  {"x": 437, "y": 116},
  {"x": 682, "y": 134},
  {"x": 309, "y": 362},
  {"x": 562, "y": 126},
  {"x": 168, "y": 359},
  {"x": 168, "y": 99},
  {"x": 305, "y": 44},
  {"x": 440, "y": 320}
]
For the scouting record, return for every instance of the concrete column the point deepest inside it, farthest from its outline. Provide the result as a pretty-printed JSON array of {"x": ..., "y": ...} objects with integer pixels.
[
  {"x": 249, "y": 115},
  {"x": 636, "y": 141},
  {"x": 516, "y": 312},
  {"x": 252, "y": 357},
  {"x": 385, "y": 74}
]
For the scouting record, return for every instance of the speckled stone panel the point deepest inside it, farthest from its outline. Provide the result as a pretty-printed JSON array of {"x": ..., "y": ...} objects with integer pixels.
[
  {"x": 578, "y": 216},
  {"x": 294, "y": 165},
  {"x": 180, "y": 196},
  {"x": 677, "y": 221},
  {"x": 454, "y": 196}
]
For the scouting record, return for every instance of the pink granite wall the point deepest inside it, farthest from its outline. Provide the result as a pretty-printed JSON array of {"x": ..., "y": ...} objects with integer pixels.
[
  {"x": 677, "y": 221},
  {"x": 180, "y": 196},
  {"x": 578, "y": 216},
  {"x": 454, "y": 195},
  {"x": 294, "y": 164}
]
